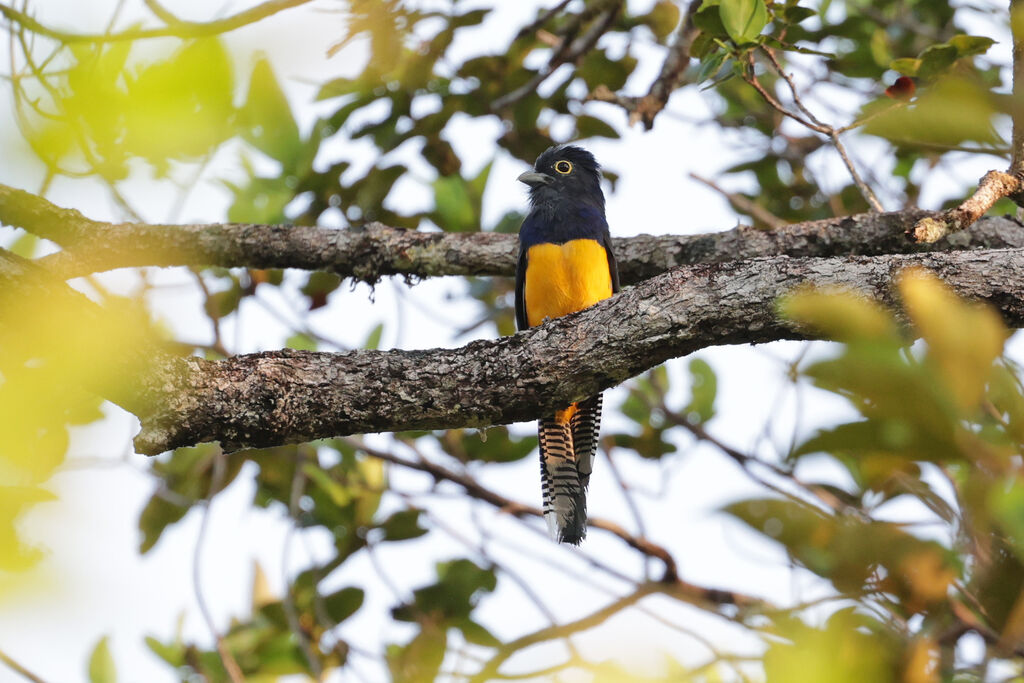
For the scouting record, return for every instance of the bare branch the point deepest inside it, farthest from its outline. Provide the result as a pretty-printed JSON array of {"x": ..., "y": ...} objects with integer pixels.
[
  {"x": 744, "y": 205},
  {"x": 995, "y": 184},
  {"x": 19, "y": 669},
  {"x": 476, "y": 490},
  {"x": 228, "y": 660},
  {"x": 809, "y": 120},
  {"x": 179, "y": 29},
  {"x": 669, "y": 79}
]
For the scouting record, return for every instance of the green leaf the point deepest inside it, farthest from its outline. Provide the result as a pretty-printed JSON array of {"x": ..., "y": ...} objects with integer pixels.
[
  {"x": 743, "y": 19},
  {"x": 928, "y": 120},
  {"x": 841, "y": 315},
  {"x": 343, "y": 604},
  {"x": 908, "y": 66},
  {"x": 710, "y": 66},
  {"x": 663, "y": 18},
  {"x": 598, "y": 68},
  {"x": 173, "y": 654},
  {"x": 968, "y": 46},
  {"x": 704, "y": 387},
  {"x": 101, "y": 664},
  {"x": 709, "y": 20},
  {"x": 266, "y": 119},
  {"x": 403, "y": 525},
  {"x": 476, "y": 634},
  {"x": 340, "y": 494},
  {"x": 794, "y": 14},
  {"x": 850, "y": 649},
  {"x": 300, "y": 341},
  {"x": 25, "y": 246},
  {"x": 593, "y": 127},
  {"x": 495, "y": 444},
  {"x": 453, "y": 206},
  {"x": 158, "y": 514},
  {"x": 373, "y": 339},
  {"x": 936, "y": 60},
  {"x": 964, "y": 339}
]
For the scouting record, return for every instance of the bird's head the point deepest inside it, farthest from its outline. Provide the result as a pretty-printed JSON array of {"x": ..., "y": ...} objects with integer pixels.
[{"x": 565, "y": 172}]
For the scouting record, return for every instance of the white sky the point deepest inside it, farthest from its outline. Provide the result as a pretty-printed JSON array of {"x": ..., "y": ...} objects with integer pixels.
[{"x": 93, "y": 582}]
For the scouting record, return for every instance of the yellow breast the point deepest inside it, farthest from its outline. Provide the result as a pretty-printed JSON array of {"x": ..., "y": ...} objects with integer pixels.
[{"x": 563, "y": 278}]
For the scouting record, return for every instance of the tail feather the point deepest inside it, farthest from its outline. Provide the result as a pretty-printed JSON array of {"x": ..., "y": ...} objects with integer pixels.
[
  {"x": 585, "y": 424},
  {"x": 567, "y": 446}
]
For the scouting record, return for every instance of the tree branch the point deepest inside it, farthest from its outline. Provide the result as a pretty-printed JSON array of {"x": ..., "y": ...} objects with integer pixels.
[
  {"x": 995, "y": 184},
  {"x": 670, "y": 77},
  {"x": 179, "y": 29},
  {"x": 375, "y": 250},
  {"x": 287, "y": 396}
]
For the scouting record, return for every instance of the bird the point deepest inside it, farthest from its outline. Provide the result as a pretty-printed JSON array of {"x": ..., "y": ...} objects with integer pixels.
[{"x": 565, "y": 264}]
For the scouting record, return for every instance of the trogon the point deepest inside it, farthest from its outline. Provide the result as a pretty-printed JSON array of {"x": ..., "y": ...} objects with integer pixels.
[{"x": 565, "y": 265}]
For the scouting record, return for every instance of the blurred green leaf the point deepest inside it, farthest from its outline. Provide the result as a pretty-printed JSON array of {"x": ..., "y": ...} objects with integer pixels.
[
  {"x": 936, "y": 60},
  {"x": 927, "y": 120},
  {"x": 266, "y": 120},
  {"x": 453, "y": 205},
  {"x": 851, "y": 648},
  {"x": 101, "y": 664},
  {"x": 344, "y": 603},
  {"x": 403, "y": 525},
  {"x": 663, "y": 18},
  {"x": 968, "y": 46},
  {"x": 593, "y": 127},
  {"x": 963, "y": 339},
  {"x": 704, "y": 387},
  {"x": 300, "y": 341},
  {"x": 373, "y": 339}
]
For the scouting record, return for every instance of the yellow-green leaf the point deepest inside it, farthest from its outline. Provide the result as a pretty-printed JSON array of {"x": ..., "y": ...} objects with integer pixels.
[{"x": 963, "y": 339}]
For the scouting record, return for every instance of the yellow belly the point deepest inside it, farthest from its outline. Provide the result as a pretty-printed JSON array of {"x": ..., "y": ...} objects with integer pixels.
[{"x": 564, "y": 278}]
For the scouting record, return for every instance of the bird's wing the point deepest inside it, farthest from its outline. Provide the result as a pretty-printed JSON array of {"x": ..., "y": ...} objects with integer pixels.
[
  {"x": 612, "y": 265},
  {"x": 521, "y": 321}
]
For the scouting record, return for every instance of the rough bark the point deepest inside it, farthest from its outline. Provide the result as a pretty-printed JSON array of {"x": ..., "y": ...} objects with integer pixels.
[
  {"x": 376, "y": 250},
  {"x": 291, "y": 396}
]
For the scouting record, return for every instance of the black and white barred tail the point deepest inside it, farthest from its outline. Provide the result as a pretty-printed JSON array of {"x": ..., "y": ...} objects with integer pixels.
[{"x": 567, "y": 448}]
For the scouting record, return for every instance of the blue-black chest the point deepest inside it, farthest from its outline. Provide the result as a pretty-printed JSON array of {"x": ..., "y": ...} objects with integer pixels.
[{"x": 561, "y": 223}]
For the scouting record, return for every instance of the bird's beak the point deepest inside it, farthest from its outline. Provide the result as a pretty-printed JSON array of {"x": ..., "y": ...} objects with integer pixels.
[{"x": 533, "y": 179}]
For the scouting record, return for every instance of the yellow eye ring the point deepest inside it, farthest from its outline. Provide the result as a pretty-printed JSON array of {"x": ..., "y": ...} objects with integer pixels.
[{"x": 564, "y": 167}]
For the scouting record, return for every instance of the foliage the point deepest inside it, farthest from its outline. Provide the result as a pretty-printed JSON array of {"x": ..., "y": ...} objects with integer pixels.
[{"x": 940, "y": 423}]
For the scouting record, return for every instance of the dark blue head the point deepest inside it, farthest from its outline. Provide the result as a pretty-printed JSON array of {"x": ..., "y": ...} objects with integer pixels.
[{"x": 565, "y": 173}]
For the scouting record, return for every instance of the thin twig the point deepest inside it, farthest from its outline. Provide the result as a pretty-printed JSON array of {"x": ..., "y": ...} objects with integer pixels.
[
  {"x": 288, "y": 600},
  {"x": 19, "y": 669},
  {"x": 181, "y": 29},
  {"x": 811, "y": 121},
  {"x": 512, "y": 507},
  {"x": 569, "y": 51},
  {"x": 627, "y": 495},
  {"x": 216, "y": 480},
  {"x": 743, "y": 204}
]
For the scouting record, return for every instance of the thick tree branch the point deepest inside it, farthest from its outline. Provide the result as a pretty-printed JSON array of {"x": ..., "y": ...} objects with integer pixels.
[
  {"x": 376, "y": 250},
  {"x": 179, "y": 29},
  {"x": 287, "y": 396}
]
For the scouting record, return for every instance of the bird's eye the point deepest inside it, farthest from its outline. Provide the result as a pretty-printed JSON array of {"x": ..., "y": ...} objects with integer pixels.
[{"x": 564, "y": 167}]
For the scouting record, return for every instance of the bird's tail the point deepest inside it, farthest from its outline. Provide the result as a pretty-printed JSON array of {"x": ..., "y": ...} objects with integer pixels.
[{"x": 567, "y": 445}]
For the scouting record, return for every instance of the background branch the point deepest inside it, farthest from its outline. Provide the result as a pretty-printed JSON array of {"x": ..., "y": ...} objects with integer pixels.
[
  {"x": 370, "y": 252},
  {"x": 179, "y": 29}
]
